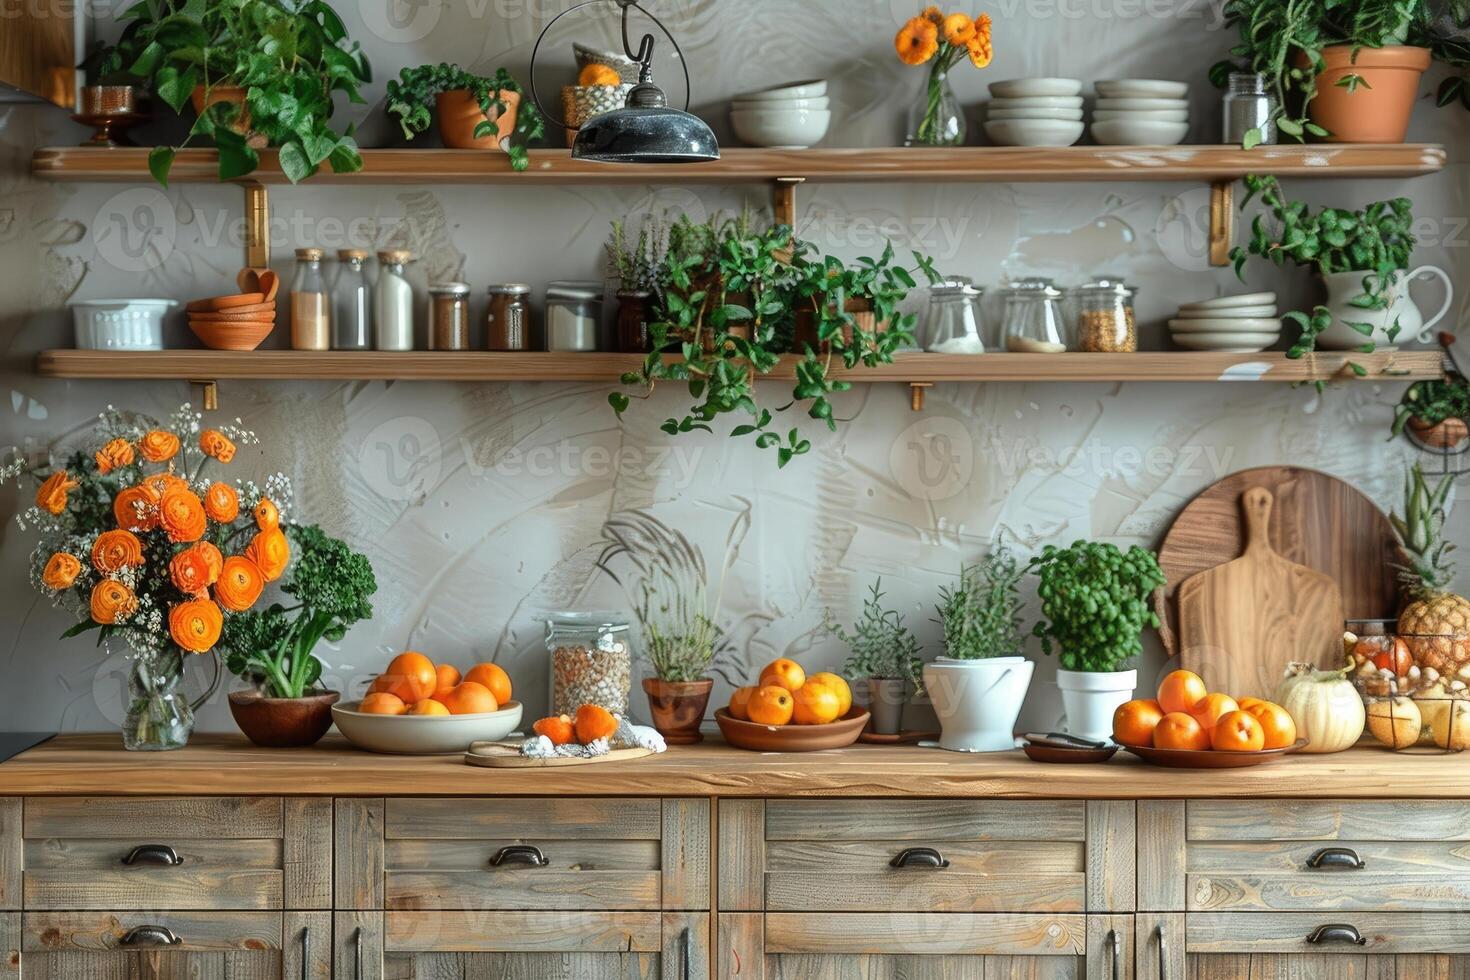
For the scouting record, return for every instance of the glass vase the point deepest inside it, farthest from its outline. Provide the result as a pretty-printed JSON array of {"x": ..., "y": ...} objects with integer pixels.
[
  {"x": 937, "y": 119},
  {"x": 160, "y": 716}
]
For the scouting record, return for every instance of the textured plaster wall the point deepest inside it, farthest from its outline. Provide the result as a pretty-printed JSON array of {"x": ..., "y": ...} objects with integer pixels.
[{"x": 482, "y": 505}]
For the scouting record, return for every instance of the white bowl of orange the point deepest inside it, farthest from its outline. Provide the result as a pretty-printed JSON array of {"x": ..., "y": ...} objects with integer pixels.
[
  {"x": 1187, "y": 719},
  {"x": 416, "y": 707}
]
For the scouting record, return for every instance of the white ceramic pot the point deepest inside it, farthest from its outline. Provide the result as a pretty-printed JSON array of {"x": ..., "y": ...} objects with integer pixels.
[
  {"x": 1344, "y": 287},
  {"x": 978, "y": 701},
  {"x": 119, "y": 324},
  {"x": 1089, "y": 700}
]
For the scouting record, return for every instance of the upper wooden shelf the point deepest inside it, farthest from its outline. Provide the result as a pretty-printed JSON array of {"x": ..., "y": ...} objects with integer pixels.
[
  {"x": 909, "y": 368},
  {"x": 1073, "y": 163}
]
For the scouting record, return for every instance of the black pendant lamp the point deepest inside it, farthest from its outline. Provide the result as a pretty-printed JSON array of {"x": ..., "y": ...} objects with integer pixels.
[{"x": 646, "y": 129}]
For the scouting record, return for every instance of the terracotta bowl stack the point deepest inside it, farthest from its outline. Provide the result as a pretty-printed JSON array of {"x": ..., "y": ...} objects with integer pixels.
[{"x": 239, "y": 322}]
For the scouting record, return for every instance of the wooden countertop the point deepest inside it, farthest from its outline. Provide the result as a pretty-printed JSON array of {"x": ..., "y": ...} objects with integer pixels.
[{"x": 227, "y": 765}]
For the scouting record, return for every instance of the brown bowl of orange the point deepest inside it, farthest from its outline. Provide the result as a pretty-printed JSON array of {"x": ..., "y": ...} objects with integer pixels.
[
  {"x": 1188, "y": 726},
  {"x": 787, "y": 711}
]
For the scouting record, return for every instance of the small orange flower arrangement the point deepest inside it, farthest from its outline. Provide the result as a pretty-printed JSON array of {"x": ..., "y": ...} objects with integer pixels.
[{"x": 940, "y": 40}]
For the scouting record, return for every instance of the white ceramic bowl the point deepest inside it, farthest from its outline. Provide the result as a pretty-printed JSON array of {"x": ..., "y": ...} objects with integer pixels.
[
  {"x": 1070, "y": 115},
  {"x": 1024, "y": 87},
  {"x": 1132, "y": 132},
  {"x": 1231, "y": 343},
  {"x": 1264, "y": 324},
  {"x": 1039, "y": 102},
  {"x": 1142, "y": 115},
  {"x": 423, "y": 735},
  {"x": 1224, "y": 302},
  {"x": 1141, "y": 88},
  {"x": 781, "y": 128},
  {"x": 1142, "y": 104},
  {"x": 1033, "y": 132},
  {"x": 814, "y": 88},
  {"x": 1228, "y": 313},
  {"x": 819, "y": 103},
  {"x": 119, "y": 324}
]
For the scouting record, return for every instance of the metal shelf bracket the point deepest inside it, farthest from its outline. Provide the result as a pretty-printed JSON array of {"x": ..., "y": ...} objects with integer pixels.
[{"x": 1222, "y": 221}]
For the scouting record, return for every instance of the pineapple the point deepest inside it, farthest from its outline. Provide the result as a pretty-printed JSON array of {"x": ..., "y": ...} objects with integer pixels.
[{"x": 1439, "y": 618}]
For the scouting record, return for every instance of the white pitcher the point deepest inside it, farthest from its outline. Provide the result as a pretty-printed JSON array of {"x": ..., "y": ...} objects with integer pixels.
[{"x": 1344, "y": 287}]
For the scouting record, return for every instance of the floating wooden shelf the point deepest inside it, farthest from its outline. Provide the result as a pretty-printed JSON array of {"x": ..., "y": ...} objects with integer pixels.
[
  {"x": 914, "y": 368},
  {"x": 969, "y": 164}
]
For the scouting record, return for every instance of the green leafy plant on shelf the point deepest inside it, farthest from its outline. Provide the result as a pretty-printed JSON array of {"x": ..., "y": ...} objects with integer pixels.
[
  {"x": 636, "y": 261},
  {"x": 981, "y": 615},
  {"x": 1432, "y": 402},
  {"x": 1376, "y": 241},
  {"x": 880, "y": 645},
  {"x": 411, "y": 99},
  {"x": 330, "y": 585},
  {"x": 1095, "y": 600},
  {"x": 289, "y": 56}
]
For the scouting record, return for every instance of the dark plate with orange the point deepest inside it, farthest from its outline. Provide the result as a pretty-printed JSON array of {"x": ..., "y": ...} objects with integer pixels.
[
  {"x": 1209, "y": 758},
  {"x": 792, "y": 738}
]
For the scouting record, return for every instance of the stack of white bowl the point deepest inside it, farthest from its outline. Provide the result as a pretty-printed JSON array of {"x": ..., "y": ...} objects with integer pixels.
[
  {"x": 786, "y": 117},
  {"x": 1140, "y": 112},
  {"x": 1242, "y": 324},
  {"x": 1035, "y": 112}
]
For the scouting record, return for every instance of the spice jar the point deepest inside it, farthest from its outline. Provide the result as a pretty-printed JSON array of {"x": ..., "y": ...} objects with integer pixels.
[
  {"x": 508, "y": 321},
  {"x": 311, "y": 317},
  {"x": 1248, "y": 107},
  {"x": 1034, "y": 323},
  {"x": 449, "y": 316},
  {"x": 952, "y": 324},
  {"x": 352, "y": 302},
  {"x": 393, "y": 301},
  {"x": 1105, "y": 321},
  {"x": 573, "y": 315},
  {"x": 591, "y": 662}
]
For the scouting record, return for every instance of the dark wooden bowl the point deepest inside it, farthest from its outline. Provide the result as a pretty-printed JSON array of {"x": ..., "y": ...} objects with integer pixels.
[
  {"x": 1208, "y": 758},
  {"x": 283, "y": 723},
  {"x": 792, "y": 738}
]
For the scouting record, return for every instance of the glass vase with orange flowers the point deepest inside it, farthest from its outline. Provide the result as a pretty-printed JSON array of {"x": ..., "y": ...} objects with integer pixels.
[
  {"x": 940, "y": 41},
  {"x": 141, "y": 542}
]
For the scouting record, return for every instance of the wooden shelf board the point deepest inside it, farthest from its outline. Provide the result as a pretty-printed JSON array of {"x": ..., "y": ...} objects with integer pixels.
[
  {"x": 897, "y": 165},
  {"x": 276, "y": 365}
]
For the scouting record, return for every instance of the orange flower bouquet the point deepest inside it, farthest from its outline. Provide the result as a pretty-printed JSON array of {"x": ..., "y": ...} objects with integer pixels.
[
  {"x": 940, "y": 40},
  {"x": 144, "y": 547}
]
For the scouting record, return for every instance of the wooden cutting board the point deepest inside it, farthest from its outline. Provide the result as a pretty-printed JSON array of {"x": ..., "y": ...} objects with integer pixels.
[
  {"x": 507, "y": 755},
  {"x": 1241, "y": 623},
  {"x": 1318, "y": 521}
]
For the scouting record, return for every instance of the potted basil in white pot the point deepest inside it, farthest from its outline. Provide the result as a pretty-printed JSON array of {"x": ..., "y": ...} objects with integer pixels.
[{"x": 884, "y": 654}]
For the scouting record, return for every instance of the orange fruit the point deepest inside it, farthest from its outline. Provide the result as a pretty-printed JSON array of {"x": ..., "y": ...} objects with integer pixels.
[
  {"x": 1181, "y": 691},
  {"x": 740, "y": 702},
  {"x": 1211, "y": 708},
  {"x": 470, "y": 698},
  {"x": 772, "y": 705},
  {"x": 1276, "y": 723},
  {"x": 411, "y": 677},
  {"x": 381, "y": 703},
  {"x": 816, "y": 704},
  {"x": 839, "y": 686},
  {"x": 599, "y": 75},
  {"x": 1238, "y": 731},
  {"x": 1247, "y": 704},
  {"x": 558, "y": 728},
  {"x": 428, "y": 706},
  {"x": 493, "y": 677},
  {"x": 1134, "y": 722},
  {"x": 783, "y": 673},
  {"x": 594, "y": 722},
  {"x": 447, "y": 680},
  {"x": 1177, "y": 730}
]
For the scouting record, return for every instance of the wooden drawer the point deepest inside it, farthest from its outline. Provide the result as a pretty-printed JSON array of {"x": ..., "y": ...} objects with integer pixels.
[
  {"x": 1323, "y": 856},
  {"x": 1288, "y": 933},
  {"x": 186, "y": 854},
  {"x": 94, "y": 945},
  {"x": 925, "y": 855}
]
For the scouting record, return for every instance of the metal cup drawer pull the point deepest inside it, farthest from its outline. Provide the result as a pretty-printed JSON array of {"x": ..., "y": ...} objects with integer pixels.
[
  {"x": 1339, "y": 858},
  {"x": 919, "y": 857},
  {"x": 155, "y": 853},
  {"x": 520, "y": 853},
  {"x": 150, "y": 936},
  {"x": 1336, "y": 932}
]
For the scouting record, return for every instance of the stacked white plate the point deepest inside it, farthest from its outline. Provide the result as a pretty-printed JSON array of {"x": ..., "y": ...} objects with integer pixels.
[
  {"x": 1242, "y": 324},
  {"x": 1140, "y": 112},
  {"x": 1035, "y": 112},
  {"x": 787, "y": 117}
]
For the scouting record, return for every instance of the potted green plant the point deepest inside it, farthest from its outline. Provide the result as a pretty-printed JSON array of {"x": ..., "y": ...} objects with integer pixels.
[
  {"x": 882, "y": 653},
  {"x": 328, "y": 589},
  {"x": 1095, "y": 598},
  {"x": 980, "y": 683},
  {"x": 475, "y": 112},
  {"x": 1363, "y": 259},
  {"x": 635, "y": 262},
  {"x": 258, "y": 72},
  {"x": 1435, "y": 411}
]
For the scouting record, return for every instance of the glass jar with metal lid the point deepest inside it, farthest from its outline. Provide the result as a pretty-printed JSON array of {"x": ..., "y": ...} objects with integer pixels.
[
  {"x": 952, "y": 324},
  {"x": 1105, "y": 320},
  {"x": 1034, "y": 321},
  {"x": 573, "y": 315},
  {"x": 591, "y": 661},
  {"x": 449, "y": 316},
  {"x": 508, "y": 323}
]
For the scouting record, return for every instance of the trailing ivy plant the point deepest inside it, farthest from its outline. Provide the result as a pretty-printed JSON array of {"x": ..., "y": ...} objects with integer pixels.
[
  {"x": 981, "y": 616},
  {"x": 1095, "y": 598},
  {"x": 1432, "y": 402},
  {"x": 411, "y": 101},
  {"x": 290, "y": 56},
  {"x": 880, "y": 645},
  {"x": 1375, "y": 241}
]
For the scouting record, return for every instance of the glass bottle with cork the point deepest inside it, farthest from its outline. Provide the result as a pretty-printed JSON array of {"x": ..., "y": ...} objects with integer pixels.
[
  {"x": 352, "y": 325},
  {"x": 393, "y": 301},
  {"x": 311, "y": 317}
]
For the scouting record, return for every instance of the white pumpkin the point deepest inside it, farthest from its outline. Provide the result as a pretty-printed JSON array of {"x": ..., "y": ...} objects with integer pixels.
[{"x": 1325, "y": 705}]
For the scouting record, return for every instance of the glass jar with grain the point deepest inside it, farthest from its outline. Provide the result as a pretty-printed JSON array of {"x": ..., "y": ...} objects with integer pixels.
[
  {"x": 449, "y": 316},
  {"x": 311, "y": 317},
  {"x": 508, "y": 324},
  {"x": 1105, "y": 320},
  {"x": 591, "y": 662},
  {"x": 1034, "y": 322}
]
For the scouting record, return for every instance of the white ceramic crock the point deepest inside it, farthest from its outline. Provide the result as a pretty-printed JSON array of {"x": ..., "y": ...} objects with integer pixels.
[
  {"x": 120, "y": 324},
  {"x": 1089, "y": 700},
  {"x": 978, "y": 701},
  {"x": 1344, "y": 287}
]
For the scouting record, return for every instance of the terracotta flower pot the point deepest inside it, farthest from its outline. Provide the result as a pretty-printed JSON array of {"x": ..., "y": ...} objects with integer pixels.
[
  {"x": 678, "y": 708},
  {"x": 459, "y": 114},
  {"x": 283, "y": 723},
  {"x": 233, "y": 94},
  {"x": 1375, "y": 112},
  {"x": 806, "y": 324},
  {"x": 1441, "y": 435}
]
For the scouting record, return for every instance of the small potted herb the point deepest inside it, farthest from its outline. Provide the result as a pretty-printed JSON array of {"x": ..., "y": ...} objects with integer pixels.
[
  {"x": 635, "y": 263},
  {"x": 329, "y": 587},
  {"x": 1095, "y": 598},
  {"x": 884, "y": 654},
  {"x": 1435, "y": 412},
  {"x": 980, "y": 683},
  {"x": 475, "y": 112}
]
